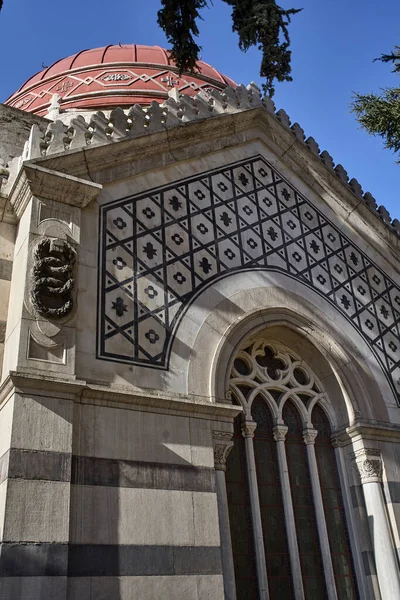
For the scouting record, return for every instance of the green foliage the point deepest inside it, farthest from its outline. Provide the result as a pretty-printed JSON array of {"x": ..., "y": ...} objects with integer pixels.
[
  {"x": 393, "y": 57},
  {"x": 379, "y": 114},
  {"x": 260, "y": 23},
  {"x": 177, "y": 18}
]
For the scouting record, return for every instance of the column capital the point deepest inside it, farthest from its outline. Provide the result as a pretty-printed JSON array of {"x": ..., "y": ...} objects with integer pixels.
[
  {"x": 369, "y": 465},
  {"x": 280, "y": 432},
  {"x": 223, "y": 444},
  {"x": 309, "y": 436},
  {"x": 248, "y": 429}
]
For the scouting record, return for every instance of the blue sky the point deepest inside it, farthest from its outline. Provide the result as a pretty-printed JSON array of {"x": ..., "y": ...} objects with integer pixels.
[{"x": 333, "y": 43}]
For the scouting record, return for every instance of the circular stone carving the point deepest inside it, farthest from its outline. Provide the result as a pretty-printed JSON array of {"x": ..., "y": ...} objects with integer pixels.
[{"x": 52, "y": 278}]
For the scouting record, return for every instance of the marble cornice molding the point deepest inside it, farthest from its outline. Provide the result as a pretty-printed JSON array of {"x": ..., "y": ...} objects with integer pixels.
[
  {"x": 154, "y": 150},
  {"x": 168, "y": 143},
  {"x": 110, "y": 395},
  {"x": 36, "y": 180},
  {"x": 7, "y": 214},
  {"x": 363, "y": 430},
  {"x": 181, "y": 109}
]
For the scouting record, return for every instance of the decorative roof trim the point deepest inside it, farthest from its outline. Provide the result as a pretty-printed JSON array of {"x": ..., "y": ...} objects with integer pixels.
[{"x": 178, "y": 109}]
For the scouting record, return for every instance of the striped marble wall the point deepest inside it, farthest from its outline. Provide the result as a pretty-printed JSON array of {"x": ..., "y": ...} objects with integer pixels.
[
  {"x": 106, "y": 502},
  {"x": 7, "y": 237}
]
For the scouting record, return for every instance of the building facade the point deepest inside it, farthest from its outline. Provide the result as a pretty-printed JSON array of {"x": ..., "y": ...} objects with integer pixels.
[{"x": 200, "y": 345}]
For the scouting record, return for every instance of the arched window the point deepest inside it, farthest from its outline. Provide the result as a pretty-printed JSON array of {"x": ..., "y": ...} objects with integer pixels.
[{"x": 282, "y": 480}]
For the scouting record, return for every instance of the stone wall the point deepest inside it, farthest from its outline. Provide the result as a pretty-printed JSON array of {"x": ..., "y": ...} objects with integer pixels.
[
  {"x": 7, "y": 236},
  {"x": 108, "y": 488},
  {"x": 15, "y": 126},
  {"x": 122, "y": 501}
]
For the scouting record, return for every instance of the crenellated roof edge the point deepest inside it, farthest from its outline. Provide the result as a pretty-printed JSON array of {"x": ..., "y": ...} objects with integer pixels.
[{"x": 178, "y": 109}]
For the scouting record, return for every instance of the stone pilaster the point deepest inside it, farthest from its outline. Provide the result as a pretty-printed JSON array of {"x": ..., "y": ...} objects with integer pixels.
[
  {"x": 40, "y": 334},
  {"x": 39, "y": 384},
  {"x": 309, "y": 436},
  {"x": 248, "y": 429},
  {"x": 280, "y": 432},
  {"x": 223, "y": 444},
  {"x": 369, "y": 466}
]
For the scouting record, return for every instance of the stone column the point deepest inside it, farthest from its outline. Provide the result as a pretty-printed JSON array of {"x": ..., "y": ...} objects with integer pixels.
[
  {"x": 280, "y": 432},
  {"x": 248, "y": 429},
  {"x": 309, "y": 436},
  {"x": 364, "y": 586},
  {"x": 222, "y": 446},
  {"x": 369, "y": 466}
]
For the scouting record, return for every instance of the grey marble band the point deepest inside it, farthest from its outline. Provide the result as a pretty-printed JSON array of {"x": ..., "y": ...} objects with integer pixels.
[
  {"x": 35, "y": 464},
  {"x": 60, "y": 560},
  {"x": 140, "y": 474},
  {"x": 83, "y": 470}
]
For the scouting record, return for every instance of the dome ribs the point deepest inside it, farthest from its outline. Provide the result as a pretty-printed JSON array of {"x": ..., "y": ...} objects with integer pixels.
[{"x": 133, "y": 73}]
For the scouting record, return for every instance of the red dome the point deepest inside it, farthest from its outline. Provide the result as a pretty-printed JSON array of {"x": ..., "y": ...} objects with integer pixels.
[{"x": 112, "y": 76}]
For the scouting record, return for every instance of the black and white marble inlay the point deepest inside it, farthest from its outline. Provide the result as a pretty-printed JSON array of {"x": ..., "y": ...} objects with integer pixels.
[{"x": 160, "y": 248}]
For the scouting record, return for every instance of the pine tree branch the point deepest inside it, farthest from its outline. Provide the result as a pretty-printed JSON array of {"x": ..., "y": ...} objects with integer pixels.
[
  {"x": 264, "y": 24},
  {"x": 379, "y": 115},
  {"x": 260, "y": 23},
  {"x": 393, "y": 57},
  {"x": 177, "y": 18}
]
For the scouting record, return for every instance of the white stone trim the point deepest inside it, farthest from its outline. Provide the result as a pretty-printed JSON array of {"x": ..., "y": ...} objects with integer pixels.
[
  {"x": 351, "y": 523},
  {"x": 216, "y": 331},
  {"x": 248, "y": 428},
  {"x": 309, "y": 439},
  {"x": 280, "y": 432},
  {"x": 368, "y": 462},
  {"x": 223, "y": 444}
]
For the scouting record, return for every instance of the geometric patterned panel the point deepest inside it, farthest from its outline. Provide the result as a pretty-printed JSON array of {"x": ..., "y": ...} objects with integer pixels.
[{"x": 160, "y": 248}]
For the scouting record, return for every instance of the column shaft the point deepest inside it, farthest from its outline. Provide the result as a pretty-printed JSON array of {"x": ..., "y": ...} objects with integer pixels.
[
  {"x": 222, "y": 447},
  {"x": 279, "y": 435},
  {"x": 309, "y": 437},
  {"x": 352, "y": 526},
  {"x": 248, "y": 432},
  {"x": 226, "y": 542},
  {"x": 369, "y": 466}
]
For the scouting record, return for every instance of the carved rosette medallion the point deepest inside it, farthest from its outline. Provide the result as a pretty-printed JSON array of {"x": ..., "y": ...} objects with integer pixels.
[
  {"x": 369, "y": 465},
  {"x": 53, "y": 277},
  {"x": 223, "y": 444}
]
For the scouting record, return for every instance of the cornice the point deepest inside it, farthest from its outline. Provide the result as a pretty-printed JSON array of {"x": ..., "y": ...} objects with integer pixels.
[
  {"x": 362, "y": 430},
  {"x": 36, "y": 180},
  {"x": 225, "y": 130},
  {"x": 205, "y": 124},
  {"x": 115, "y": 396}
]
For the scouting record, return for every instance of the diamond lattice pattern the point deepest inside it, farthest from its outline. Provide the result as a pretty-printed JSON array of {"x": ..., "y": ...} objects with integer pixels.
[{"x": 160, "y": 248}]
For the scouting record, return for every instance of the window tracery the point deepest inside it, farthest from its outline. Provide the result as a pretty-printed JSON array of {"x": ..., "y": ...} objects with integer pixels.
[
  {"x": 304, "y": 536},
  {"x": 268, "y": 368}
]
